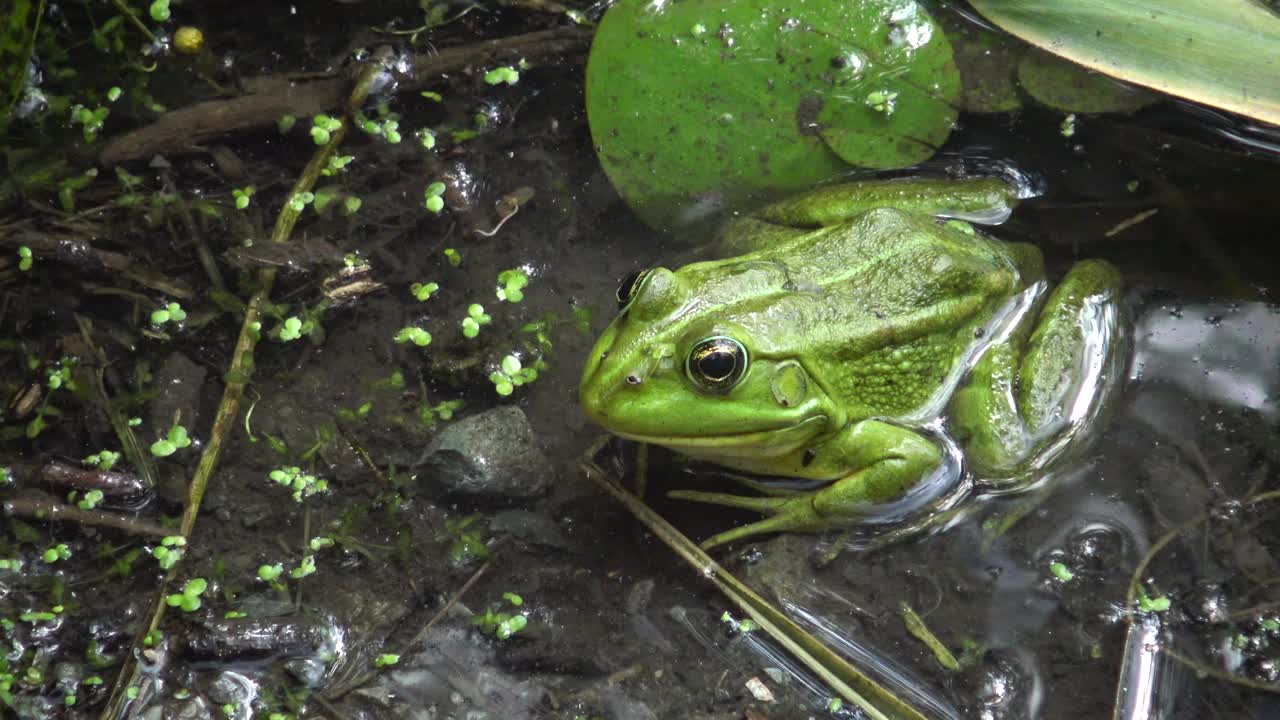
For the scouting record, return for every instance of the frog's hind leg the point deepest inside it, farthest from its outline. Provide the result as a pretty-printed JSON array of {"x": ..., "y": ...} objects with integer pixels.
[{"x": 1028, "y": 388}]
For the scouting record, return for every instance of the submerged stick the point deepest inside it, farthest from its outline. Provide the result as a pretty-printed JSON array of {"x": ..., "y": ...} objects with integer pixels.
[
  {"x": 850, "y": 683},
  {"x": 49, "y": 511},
  {"x": 185, "y": 130},
  {"x": 237, "y": 379}
]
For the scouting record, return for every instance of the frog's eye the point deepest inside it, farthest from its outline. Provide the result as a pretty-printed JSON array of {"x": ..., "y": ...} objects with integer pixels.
[
  {"x": 630, "y": 287},
  {"x": 717, "y": 363}
]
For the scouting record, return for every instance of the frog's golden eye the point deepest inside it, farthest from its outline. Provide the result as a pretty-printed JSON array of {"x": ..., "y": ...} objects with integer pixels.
[
  {"x": 717, "y": 363},
  {"x": 630, "y": 287}
]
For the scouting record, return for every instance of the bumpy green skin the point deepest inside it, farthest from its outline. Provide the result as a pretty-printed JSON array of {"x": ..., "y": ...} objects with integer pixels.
[{"x": 858, "y": 310}]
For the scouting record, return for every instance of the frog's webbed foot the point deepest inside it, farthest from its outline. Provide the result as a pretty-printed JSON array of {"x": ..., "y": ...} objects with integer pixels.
[
  {"x": 786, "y": 514},
  {"x": 884, "y": 460}
]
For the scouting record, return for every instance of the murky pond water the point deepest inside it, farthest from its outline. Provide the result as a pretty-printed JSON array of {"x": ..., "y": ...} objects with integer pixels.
[{"x": 1134, "y": 580}]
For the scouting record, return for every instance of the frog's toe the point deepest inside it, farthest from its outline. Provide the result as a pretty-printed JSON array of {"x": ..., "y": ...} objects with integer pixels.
[
  {"x": 785, "y": 522},
  {"x": 789, "y": 514},
  {"x": 767, "y": 505}
]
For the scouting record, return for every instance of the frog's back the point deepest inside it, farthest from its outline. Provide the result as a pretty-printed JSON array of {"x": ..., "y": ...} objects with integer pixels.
[{"x": 880, "y": 310}]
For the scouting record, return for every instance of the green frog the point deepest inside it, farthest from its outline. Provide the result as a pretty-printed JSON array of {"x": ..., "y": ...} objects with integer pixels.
[{"x": 835, "y": 328}]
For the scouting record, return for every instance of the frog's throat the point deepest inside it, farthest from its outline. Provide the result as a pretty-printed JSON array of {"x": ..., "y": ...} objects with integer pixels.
[{"x": 766, "y": 442}]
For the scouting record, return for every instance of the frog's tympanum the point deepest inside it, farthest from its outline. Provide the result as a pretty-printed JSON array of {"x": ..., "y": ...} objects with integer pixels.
[{"x": 836, "y": 327}]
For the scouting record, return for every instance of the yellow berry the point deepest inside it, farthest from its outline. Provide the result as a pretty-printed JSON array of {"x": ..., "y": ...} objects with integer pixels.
[{"x": 188, "y": 40}]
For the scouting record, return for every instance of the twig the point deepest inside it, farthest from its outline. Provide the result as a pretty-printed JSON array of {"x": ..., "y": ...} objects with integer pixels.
[
  {"x": 76, "y": 251},
  {"x": 185, "y": 130},
  {"x": 123, "y": 8},
  {"x": 139, "y": 458},
  {"x": 57, "y": 512},
  {"x": 1130, "y": 222},
  {"x": 847, "y": 680},
  {"x": 112, "y": 483},
  {"x": 363, "y": 454},
  {"x": 237, "y": 378}
]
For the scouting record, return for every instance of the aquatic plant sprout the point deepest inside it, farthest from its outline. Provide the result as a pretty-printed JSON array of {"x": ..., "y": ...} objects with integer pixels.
[
  {"x": 189, "y": 598},
  {"x": 423, "y": 291},
  {"x": 511, "y": 284},
  {"x": 169, "y": 551},
  {"x": 242, "y": 196},
  {"x": 290, "y": 329},
  {"x": 433, "y": 199},
  {"x": 173, "y": 441},
  {"x": 303, "y": 484},
  {"x": 415, "y": 335},
  {"x": 499, "y": 75},
  {"x": 90, "y": 499},
  {"x": 171, "y": 312},
  {"x": 476, "y": 317},
  {"x": 103, "y": 459},
  {"x": 323, "y": 127}
]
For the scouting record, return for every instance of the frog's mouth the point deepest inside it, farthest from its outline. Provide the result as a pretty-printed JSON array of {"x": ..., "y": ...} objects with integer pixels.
[{"x": 765, "y": 442}]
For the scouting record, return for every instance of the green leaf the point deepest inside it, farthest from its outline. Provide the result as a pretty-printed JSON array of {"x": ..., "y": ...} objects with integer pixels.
[
  {"x": 1222, "y": 53},
  {"x": 772, "y": 98}
]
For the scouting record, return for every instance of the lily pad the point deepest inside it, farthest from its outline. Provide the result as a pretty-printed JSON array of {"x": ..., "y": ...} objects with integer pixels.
[
  {"x": 1224, "y": 53},
  {"x": 699, "y": 105}
]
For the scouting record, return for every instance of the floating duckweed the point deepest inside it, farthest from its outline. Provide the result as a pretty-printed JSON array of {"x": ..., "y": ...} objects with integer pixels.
[
  {"x": 299, "y": 201},
  {"x": 305, "y": 568},
  {"x": 25, "y": 261},
  {"x": 1068, "y": 126},
  {"x": 303, "y": 484},
  {"x": 882, "y": 101},
  {"x": 189, "y": 598},
  {"x": 90, "y": 500},
  {"x": 424, "y": 291},
  {"x": 56, "y": 553},
  {"x": 511, "y": 285},
  {"x": 1061, "y": 571},
  {"x": 290, "y": 329},
  {"x": 505, "y": 74},
  {"x": 175, "y": 440},
  {"x": 103, "y": 459},
  {"x": 323, "y": 127},
  {"x": 432, "y": 197},
  {"x": 171, "y": 312}
]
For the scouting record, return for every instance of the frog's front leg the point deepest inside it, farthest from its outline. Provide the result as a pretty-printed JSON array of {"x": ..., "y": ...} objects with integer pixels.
[
  {"x": 1025, "y": 390},
  {"x": 882, "y": 461}
]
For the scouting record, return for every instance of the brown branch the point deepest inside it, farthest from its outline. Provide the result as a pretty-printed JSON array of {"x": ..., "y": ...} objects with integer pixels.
[
  {"x": 268, "y": 98},
  {"x": 76, "y": 251},
  {"x": 49, "y": 511},
  {"x": 112, "y": 483}
]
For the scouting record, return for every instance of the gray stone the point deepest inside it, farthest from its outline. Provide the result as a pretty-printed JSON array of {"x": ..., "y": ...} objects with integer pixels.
[{"x": 488, "y": 457}]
